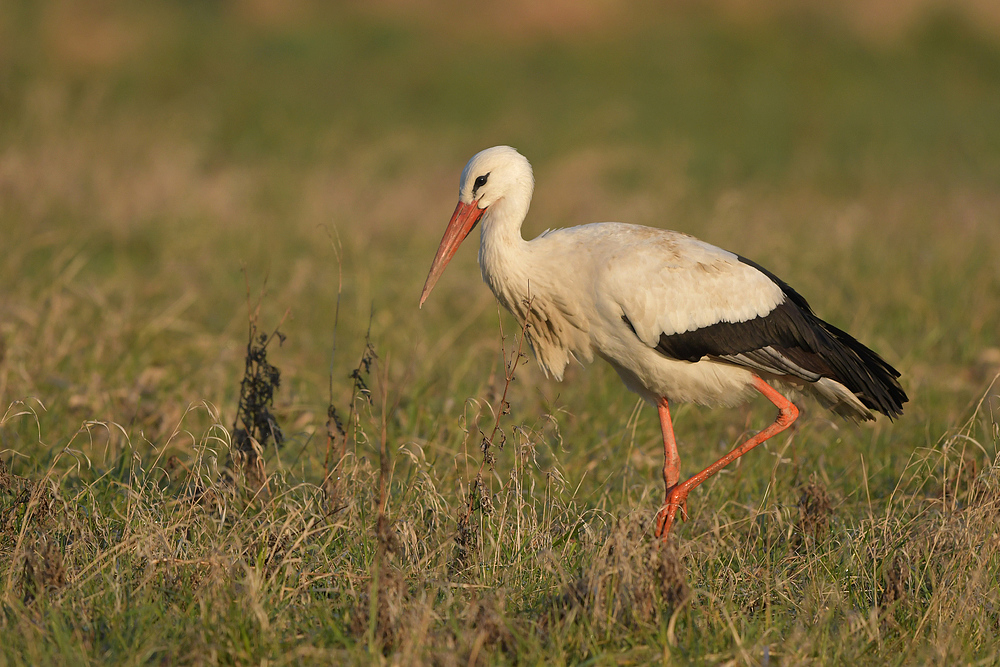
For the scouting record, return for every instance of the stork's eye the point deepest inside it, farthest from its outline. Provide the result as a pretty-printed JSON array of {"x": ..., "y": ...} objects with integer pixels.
[{"x": 480, "y": 182}]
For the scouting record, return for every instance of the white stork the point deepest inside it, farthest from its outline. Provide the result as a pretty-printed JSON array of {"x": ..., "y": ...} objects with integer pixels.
[{"x": 677, "y": 318}]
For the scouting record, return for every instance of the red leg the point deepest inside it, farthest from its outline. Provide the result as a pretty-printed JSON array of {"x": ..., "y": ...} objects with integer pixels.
[
  {"x": 677, "y": 496},
  {"x": 671, "y": 458}
]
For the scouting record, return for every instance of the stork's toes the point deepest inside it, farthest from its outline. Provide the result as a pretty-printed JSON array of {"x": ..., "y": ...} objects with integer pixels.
[{"x": 676, "y": 499}]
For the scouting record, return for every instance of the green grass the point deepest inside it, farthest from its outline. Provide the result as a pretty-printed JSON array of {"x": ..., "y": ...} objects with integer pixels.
[{"x": 207, "y": 159}]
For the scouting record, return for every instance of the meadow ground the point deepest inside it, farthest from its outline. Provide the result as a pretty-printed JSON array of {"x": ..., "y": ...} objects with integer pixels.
[{"x": 172, "y": 172}]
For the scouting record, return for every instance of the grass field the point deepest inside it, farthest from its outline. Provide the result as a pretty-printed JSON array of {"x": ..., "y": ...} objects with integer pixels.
[{"x": 173, "y": 172}]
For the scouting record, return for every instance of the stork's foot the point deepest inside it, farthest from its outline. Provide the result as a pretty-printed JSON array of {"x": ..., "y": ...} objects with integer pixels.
[{"x": 676, "y": 499}]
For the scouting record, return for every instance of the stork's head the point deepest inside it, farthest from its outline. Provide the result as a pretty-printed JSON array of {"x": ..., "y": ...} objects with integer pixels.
[{"x": 492, "y": 178}]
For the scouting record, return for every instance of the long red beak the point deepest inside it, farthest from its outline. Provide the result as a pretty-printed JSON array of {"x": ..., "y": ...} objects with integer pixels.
[{"x": 463, "y": 220}]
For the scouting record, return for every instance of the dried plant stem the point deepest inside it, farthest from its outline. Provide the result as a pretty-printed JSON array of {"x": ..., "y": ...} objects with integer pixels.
[
  {"x": 331, "y": 464},
  {"x": 377, "y": 595},
  {"x": 334, "y": 429},
  {"x": 510, "y": 366},
  {"x": 260, "y": 380}
]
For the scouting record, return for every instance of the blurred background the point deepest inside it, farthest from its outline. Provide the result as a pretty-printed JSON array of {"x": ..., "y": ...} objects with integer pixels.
[{"x": 160, "y": 159}]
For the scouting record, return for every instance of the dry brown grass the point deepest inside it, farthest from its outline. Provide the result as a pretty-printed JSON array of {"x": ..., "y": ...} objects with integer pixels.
[{"x": 913, "y": 575}]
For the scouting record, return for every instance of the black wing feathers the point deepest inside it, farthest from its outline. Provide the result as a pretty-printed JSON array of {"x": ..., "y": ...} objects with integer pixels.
[{"x": 791, "y": 340}]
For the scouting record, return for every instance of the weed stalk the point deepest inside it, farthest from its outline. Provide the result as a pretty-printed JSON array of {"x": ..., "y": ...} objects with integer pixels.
[
  {"x": 255, "y": 422},
  {"x": 477, "y": 497}
]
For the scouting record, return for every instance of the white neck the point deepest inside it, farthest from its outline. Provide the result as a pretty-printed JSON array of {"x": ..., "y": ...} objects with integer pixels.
[{"x": 503, "y": 252}]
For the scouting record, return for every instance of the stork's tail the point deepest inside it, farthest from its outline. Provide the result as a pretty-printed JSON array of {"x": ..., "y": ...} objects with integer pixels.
[
  {"x": 842, "y": 360},
  {"x": 869, "y": 378}
]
